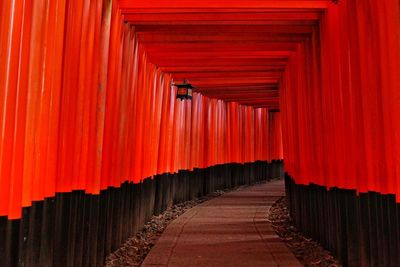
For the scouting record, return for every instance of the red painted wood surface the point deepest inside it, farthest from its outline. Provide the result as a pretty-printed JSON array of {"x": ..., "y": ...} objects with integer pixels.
[
  {"x": 86, "y": 102},
  {"x": 341, "y": 100},
  {"x": 334, "y": 69},
  {"x": 84, "y": 107}
]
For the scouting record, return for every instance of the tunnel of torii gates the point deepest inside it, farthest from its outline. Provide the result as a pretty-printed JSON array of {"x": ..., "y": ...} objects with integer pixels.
[{"x": 93, "y": 140}]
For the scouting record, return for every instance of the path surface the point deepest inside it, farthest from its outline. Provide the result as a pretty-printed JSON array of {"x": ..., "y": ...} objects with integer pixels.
[{"x": 230, "y": 230}]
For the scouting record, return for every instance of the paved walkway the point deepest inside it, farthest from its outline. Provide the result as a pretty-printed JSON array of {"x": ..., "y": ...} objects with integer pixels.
[{"x": 230, "y": 230}]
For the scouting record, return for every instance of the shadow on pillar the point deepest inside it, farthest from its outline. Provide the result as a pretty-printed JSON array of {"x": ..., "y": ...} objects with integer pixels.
[
  {"x": 79, "y": 229},
  {"x": 361, "y": 230}
]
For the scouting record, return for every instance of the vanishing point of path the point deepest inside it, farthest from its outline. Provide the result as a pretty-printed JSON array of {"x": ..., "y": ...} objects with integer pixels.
[{"x": 230, "y": 230}]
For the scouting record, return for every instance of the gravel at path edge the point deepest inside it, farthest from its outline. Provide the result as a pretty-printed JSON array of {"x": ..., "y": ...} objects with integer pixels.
[
  {"x": 135, "y": 249},
  {"x": 307, "y": 251}
]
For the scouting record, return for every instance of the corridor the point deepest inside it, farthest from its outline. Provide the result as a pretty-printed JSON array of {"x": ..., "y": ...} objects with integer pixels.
[
  {"x": 114, "y": 111},
  {"x": 230, "y": 230}
]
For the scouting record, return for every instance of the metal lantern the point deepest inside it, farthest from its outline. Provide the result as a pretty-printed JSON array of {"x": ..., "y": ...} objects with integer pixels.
[{"x": 184, "y": 90}]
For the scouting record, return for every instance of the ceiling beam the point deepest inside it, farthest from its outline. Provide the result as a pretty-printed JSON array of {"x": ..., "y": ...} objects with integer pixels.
[{"x": 223, "y": 4}]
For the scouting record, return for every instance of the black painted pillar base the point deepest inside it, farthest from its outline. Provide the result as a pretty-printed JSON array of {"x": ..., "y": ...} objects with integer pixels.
[
  {"x": 361, "y": 230},
  {"x": 78, "y": 229}
]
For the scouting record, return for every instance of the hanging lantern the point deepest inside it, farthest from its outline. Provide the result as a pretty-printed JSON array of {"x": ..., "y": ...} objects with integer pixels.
[{"x": 184, "y": 90}]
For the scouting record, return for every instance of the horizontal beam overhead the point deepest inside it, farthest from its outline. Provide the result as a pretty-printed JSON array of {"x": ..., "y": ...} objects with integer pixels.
[
  {"x": 224, "y": 29},
  {"x": 223, "y": 4},
  {"x": 228, "y": 49}
]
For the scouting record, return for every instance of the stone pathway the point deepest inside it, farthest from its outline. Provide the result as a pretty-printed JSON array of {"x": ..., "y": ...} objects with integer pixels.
[{"x": 230, "y": 230}]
